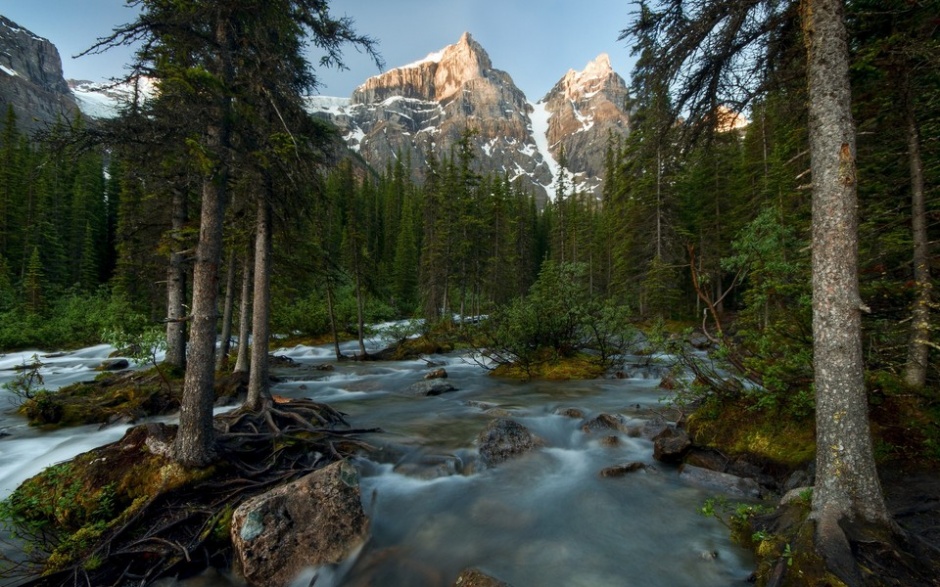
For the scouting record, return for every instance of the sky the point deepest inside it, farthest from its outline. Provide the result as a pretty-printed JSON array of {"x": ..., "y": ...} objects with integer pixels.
[{"x": 535, "y": 41}]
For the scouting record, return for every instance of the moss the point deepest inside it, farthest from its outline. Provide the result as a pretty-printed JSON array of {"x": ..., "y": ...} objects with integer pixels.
[
  {"x": 769, "y": 436},
  {"x": 71, "y": 505},
  {"x": 126, "y": 396},
  {"x": 577, "y": 367}
]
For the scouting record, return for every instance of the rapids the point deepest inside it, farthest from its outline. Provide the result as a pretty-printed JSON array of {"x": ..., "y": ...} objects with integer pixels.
[{"x": 545, "y": 519}]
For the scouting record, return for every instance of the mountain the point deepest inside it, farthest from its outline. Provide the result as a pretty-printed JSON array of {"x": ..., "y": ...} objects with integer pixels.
[
  {"x": 583, "y": 109},
  {"x": 31, "y": 78},
  {"x": 428, "y": 105},
  {"x": 408, "y": 111}
]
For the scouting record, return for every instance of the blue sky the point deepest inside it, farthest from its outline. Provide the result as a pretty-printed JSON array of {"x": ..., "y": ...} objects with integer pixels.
[{"x": 536, "y": 42}]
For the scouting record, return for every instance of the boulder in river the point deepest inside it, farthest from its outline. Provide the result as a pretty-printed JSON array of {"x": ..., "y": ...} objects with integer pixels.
[
  {"x": 114, "y": 365},
  {"x": 622, "y": 469},
  {"x": 475, "y": 578},
  {"x": 570, "y": 413},
  {"x": 723, "y": 482},
  {"x": 431, "y": 387},
  {"x": 605, "y": 422},
  {"x": 315, "y": 520},
  {"x": 439, "y": 373},
  {"x": 671, "y": 445},
  {"x": 504, "y": 439}
]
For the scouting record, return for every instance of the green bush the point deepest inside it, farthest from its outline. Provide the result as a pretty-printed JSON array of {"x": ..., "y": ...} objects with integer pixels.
[{"x": 556, "y": 320}]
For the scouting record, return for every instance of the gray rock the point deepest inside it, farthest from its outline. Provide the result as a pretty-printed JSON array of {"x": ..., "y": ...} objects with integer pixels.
[
  {"x": 570, "y": 412},
  {"x": 649, "y": 429},
  {"x": 801, "y": 478},
  {"x": 671, "y": 445},
  {"x": 114, "y": 365},
  {"x": 440, "y": 373},
  {"x": 476, "y": 578},
  {"x": 699, "y": 340},
  {"x": 723, "y": 482},
  {"x": 605, "y": 422},
  {"x": 38, "y": 92},
  {"x": 431, "y": 387},
  {"x": 505, "y": 439},
  {"x": 315, "y": 520},
  {"x": 797, "y": 495},
  {"x": 622, "y": 469}
]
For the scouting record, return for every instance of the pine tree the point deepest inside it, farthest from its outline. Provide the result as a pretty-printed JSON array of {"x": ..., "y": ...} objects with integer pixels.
[{"x": 34, "y": 283}]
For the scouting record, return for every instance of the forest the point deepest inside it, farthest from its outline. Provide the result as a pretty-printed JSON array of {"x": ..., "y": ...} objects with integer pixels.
[{"x": 219, "y": 208}]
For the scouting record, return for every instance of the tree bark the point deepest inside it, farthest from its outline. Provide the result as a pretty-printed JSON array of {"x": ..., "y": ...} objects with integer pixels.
[
  {"x": 225, "y": 341},
  {"x": 332, "y": 312},
  {"x": 915, "y": 372},
  {"x": 195, "y": 439},
  {"x": 847, "y": 486},
  {"x": 258, "y": 388},
  {"x": 360, "y": 318},
  {"x": 176, "y": 289},
  {"x": 244, "y": 318}
]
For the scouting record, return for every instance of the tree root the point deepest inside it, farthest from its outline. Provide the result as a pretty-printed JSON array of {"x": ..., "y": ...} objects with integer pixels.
[{"x": 182, "y": 531}]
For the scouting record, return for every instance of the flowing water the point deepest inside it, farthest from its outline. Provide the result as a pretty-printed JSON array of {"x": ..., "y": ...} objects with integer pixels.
[{"x": 545, "y": 519}]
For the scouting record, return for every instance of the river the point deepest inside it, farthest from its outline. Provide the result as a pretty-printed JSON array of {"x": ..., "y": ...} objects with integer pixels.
[{"x": 545, "y": 519}]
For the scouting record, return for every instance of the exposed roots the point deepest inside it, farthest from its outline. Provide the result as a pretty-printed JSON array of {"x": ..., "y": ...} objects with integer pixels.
[{"x": 183, "y": 531}]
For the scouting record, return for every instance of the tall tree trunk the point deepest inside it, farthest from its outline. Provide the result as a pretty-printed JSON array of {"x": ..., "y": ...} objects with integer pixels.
[
  {"x": 195, "y": 437},
  {"x": 330, "y": 303},
  {"x": 225, "y": 343},
  {"x": 258, "y": 389},
  {"x": 244, "y": 318},
  {"x": 360, "y": 318},
  {"x": 847, "y": 487},
  {"x": 915, "y": 372},
  {"x": 176, "y": 289}
]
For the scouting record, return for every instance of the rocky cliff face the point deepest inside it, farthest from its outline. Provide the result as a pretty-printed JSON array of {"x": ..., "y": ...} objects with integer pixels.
[
  {"x": 584, "y": 108},
  {"x": 429, "y": 105},
  {"x": 31, "y": 78}
]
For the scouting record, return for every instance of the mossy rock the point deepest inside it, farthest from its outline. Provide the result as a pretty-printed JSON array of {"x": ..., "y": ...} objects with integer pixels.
[
  {"x": 122, "y": 397},
  {"x": 74, "y": 504},
  {"x": 577, "y": 367}
]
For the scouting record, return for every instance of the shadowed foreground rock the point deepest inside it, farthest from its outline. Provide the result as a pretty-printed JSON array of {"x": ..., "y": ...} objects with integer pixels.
[
  {"x": 671, "y": 445},
  {"x": 315, "y": 520},
  {"x": 723, "y": 482}
]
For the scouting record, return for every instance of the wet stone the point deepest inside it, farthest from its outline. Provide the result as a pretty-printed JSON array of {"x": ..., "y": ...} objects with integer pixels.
[
  {"x": 605, "y": 422},
  {"x": 440, "y": 373},
  {"x": 315, "y": 520},
  {"x": 623, "y": 469},
  {"x": 505, "y": 439},
  {"x": 114, "y": 365},
  {"x": 431, "y": 387},
  {"x": 476, "y": 578},
  {"x": 671, "y": 445},
  {"x": 570, "y": 413},
  {"x": 610, "y": 440},
  {"x": 723, "y": 482}
]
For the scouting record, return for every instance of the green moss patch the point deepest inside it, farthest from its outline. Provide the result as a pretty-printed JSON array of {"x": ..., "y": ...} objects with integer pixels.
[
  {"x": 576, "y": 367},
  {"x": 770, "y": 437},
  {"x": 124, "y": 396},
  {"x": 67, "y": 509}
]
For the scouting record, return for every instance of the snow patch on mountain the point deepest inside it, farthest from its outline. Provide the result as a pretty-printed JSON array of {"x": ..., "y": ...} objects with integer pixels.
[
  {"x": 105, "y": 100},
  {"x": 540, "y": 117}
]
